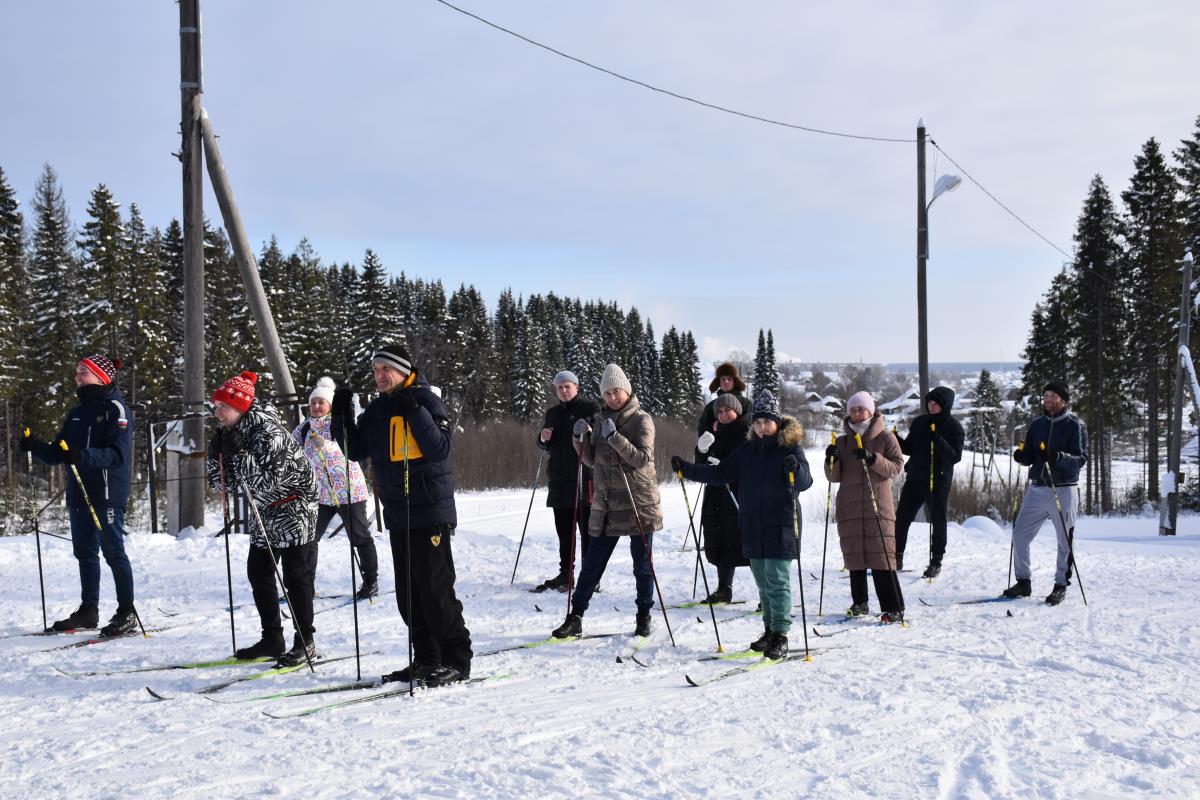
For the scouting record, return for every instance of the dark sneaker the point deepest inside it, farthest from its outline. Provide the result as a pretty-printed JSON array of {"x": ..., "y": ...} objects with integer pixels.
[
  {"x": 760, "y": 644},
  {"x": 642, "y": 625},
  {"x": 891, "y": 617},
  {"x": 777, "y": 648},
  {"x": 368, "y": 590},
  {"x": 722, "y": 594},
  {"x": 858, "y": 610},
  {"x": 299, "y": 654},
  {"x": 84, "y": 617},
  {"x": 270, "y": 646},
  {"x": 1022, "y": 588},
  {"x": 124, "y": 621},
  {"x": 932, "y": 571},
  {"x": 572, "y": 626},
  {"x": 419, "y": 673},
  {"x": 443, "y": 675},
  {"x": 1057, "y": 595}
]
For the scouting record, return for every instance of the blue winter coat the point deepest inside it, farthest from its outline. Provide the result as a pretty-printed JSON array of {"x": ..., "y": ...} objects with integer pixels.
[
  {"x": 765, "y": 503},
  {"x": 100, "y": 430},
  {"x": 380, "y": 433},
  {"x": 1064, "y": 433}
]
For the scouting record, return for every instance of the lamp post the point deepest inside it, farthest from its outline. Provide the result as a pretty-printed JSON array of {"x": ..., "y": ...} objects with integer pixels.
[{"x": 946, "y": 183}]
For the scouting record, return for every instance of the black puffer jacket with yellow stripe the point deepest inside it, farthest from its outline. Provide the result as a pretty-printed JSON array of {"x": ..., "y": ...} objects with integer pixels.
[{"x": 386, "y": 436}]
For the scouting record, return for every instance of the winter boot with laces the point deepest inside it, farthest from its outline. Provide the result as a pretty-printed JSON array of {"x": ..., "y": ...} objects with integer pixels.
[
  {"x": 271, "y": 645},
  {"x": 299, "y": 654},
  {"x": 933, "y": 570},
  {"x": 641, "y": 625},
  {"x": 722, "y": 594},
  {"x": 858, "y": 610},
  {"x": 443, "y": 675},
  {"x": 891, "y": 617},
  {"x": 84, "y": 617},
  {"x": 1056, "y": 596},
  {"x": 572, "y": 626},
  {"x": 777, "y": 648},
  {"x": 1022, "y": 588},
  {"x": 418, "y": 673},
  {"x": 760, "y": 644},
  {"x": 368, "y": 590},
  {"x": 124, "y": 621}
]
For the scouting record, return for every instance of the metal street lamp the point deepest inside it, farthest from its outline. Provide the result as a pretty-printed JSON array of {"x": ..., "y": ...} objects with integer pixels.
[{"x": 946, "y": 183}]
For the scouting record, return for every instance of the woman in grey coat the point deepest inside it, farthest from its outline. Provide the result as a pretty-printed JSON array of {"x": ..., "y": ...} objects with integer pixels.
[{"x": 618, "y": 444}]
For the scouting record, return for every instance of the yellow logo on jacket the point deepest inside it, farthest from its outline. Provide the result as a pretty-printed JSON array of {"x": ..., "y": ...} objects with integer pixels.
[
  {"x": 403, "y": 445},
  {"x": 436, "y": 539}
]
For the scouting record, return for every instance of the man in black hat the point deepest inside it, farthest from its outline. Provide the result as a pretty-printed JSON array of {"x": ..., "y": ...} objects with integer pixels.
[
  {"x": 1054, "y": 449},
  {"x": 406, "y": 433}
]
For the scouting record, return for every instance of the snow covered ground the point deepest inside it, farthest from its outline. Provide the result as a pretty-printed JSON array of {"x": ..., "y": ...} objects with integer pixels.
[{"x": 967, "y": 702}]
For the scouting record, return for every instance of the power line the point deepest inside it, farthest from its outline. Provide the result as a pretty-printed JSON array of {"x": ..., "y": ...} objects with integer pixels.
[
  {"x": 668, "y": 92},
  {"x": 997, "y": 201}
]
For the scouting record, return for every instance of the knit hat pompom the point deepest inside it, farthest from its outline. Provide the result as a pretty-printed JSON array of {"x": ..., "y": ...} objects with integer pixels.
[
  {"x": 238, "y": 391},
  {"x": 324, "y": 389}
]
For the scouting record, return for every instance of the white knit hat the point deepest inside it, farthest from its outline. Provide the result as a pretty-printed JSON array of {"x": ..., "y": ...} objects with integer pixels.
[
  {"x": 324, "y": 389},
  {"x": 614, "y": 378}
]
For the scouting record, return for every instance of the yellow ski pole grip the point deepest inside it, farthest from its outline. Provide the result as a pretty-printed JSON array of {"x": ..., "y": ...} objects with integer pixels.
[
  {"x": 858, "y": 441},
  {"x": 63, "y": 444},
  {"x": 833, "y": 437}
]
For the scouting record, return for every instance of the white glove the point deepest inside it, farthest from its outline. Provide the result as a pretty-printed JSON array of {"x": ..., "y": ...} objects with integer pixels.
[
  {"x": 705, "y": 441},
  {"x": 714, "y": 460}
]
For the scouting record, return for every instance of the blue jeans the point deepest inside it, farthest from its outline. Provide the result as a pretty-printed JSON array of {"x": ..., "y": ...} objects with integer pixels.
[
  {"x": 88, "y": 543},
  {"x": 595, "y": 559}
]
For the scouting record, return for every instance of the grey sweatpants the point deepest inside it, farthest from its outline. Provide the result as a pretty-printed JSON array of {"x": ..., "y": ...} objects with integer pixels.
[{"x": 1036, "y": 508}]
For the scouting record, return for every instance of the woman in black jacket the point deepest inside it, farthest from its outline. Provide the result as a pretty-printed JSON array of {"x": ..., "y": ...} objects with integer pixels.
[{"x": 719, "y": 512}]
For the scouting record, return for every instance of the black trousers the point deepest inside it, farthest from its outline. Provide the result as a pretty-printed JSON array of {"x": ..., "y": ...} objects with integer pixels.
[
  {"x": 566, "y": 536},
  {"x": 354, "y": 518},
  {"x": 887, "y": 588},
  {"x": 439, "y": 634},
  {"x": 261, "y": 572},
  {"x": 912, "y": 497}
]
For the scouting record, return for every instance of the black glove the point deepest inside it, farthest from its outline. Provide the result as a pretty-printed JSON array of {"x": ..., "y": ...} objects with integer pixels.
[
  {"x": 69, "y": 456},
  {"x": 343, "y": 403},
  {"x": 676, "y": 464},
  {"x": 1021, "y": 457},
  {"x": 227, "y": 443},
  {"x": 863, "y": 454},
  {"x": 831, "y": 452},
  {"x": 1051, "y": 455},
  {"x": 28, "y": 442},
  {"x": 790, "y": 464},
  {"x": 406, "y": 402}
]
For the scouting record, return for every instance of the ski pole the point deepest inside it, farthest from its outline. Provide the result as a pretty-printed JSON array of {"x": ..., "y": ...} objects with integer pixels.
[
  {"x": 1069, "y": 533},
  {"x": 879, "y": 523},
  {"x": 533, "y": 491},
  {"x": 228, "y": 567},
  {"x": 408, "y": 562},
  {"x": 574, "y": 527},
  {"x": 348, "y": 522},
  {"x": 683, "y": 545},
  {"x": 929, "y": 501},
  {"x": 37, "y": 536},
  {"x": 695, "y": 538},
  {"x": 696, "y": 568},
  {"x": 825, "y": 547},
  {"x": 99, "y": 528},
  {"x": 799, "y": 574},
  {"x": 649, "y": 556},
  {"x": 278, "y": 574},
  {"x": 1020, "y": 447}
]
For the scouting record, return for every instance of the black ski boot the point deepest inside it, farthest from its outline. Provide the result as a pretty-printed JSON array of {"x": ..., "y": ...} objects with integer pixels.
[
  {"x": 899, "y": 562},
  {"x": 443, "y": 675},
  {"x": 558, "y": 583},
  {"x": 572, "y": 626},
  {"x": 891, "y": 617},
  {"x": 933, "y": 570},
  {"x": 777, "y": 648},
  {"x": 722, "y": 594},
  {"x": 1057, "y": 595},
  {"x": 124, "y": 621},
  {"x": 299, "y": 654},
  {"x": 642, "y": 624},
  {"x": 858, "y": 610},
  {"x": 1022, "y": 588},
  {"x": 760, "y": 644},
  {"x": 84, "y": 617},
  {"x": 269, "y": 646},
  {"x": 369, "y": 589},
  {"x": 419, "y": 673}
]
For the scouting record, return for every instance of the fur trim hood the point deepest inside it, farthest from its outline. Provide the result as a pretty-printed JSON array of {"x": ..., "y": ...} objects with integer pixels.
[{"x": 791, "y": 432}]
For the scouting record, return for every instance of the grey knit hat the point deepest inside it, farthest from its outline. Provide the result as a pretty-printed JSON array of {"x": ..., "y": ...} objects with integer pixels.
[
  {"x": 727, "y": 400},
  {"x": 566, "y": 376},
  {"x": 614, "y": 378}
]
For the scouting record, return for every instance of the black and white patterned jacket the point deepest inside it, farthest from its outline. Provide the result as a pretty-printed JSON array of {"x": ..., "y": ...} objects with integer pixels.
[{"x": 273, "y": 466}]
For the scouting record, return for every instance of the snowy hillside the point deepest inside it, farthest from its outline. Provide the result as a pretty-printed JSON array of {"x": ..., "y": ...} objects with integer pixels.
[{"x": 971, "y": 701}]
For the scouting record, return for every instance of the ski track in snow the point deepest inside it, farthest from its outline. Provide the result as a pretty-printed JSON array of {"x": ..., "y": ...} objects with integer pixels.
[{"x": 967, "y": 702}]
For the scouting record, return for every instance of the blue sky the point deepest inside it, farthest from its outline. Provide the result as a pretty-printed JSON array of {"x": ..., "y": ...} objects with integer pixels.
[{"x": 460, "y": 153}]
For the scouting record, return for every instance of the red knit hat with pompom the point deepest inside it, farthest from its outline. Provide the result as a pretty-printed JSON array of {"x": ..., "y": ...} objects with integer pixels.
[
  {"x": 238, "y": 391},
  {"x": 102, "y": 367}
]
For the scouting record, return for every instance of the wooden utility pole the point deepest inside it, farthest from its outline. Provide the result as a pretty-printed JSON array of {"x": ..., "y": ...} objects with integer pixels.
[
  {"x": 1176, "y": 442},
  {"x": 922, "y": 256},
  {"x": 191, "y": 488},
  {"x": 255, "y": 295}
]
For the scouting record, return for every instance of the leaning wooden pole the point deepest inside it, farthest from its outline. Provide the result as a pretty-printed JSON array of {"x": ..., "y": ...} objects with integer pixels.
[
  {"x": 255, "y": 296},
  {"x": 191, "y": 488}
]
